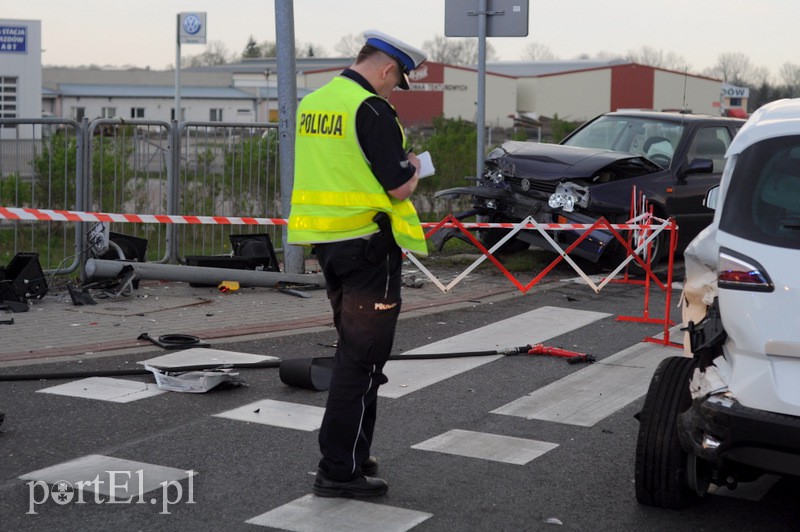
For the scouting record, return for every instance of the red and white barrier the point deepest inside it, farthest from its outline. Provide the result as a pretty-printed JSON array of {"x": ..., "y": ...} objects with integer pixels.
[{"x": 645, "y": 226}]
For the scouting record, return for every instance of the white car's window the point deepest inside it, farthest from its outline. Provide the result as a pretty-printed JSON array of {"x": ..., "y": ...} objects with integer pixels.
[{"x": 763, "y": 199}]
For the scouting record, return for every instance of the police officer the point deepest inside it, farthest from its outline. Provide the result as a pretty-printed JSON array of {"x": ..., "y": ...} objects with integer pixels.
[{"x": 353, "y": 179}]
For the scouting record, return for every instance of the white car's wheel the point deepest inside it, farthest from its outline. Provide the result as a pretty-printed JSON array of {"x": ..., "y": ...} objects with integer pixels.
[{"x": 661, "y": 463}]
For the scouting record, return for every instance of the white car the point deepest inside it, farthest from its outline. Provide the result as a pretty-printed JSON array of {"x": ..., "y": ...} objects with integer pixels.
[{"x": 730, "y": 411}]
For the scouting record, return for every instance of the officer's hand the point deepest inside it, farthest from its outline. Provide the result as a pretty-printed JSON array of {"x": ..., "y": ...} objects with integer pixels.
[{"x": 412, "y": 158}]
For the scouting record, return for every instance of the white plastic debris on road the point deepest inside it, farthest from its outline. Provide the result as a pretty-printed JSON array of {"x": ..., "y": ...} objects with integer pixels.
[{"x": 194, "y": 381}]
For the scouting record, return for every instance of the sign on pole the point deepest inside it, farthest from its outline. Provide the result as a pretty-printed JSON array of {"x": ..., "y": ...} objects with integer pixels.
[
  {"x": 505, "y": 18},
  {"x": 481, "y": 19},
  {"x": 192, "y": 28}
]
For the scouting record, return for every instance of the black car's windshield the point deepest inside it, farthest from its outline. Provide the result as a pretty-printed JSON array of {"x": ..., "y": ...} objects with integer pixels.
[{"x": 637, "y": 135}]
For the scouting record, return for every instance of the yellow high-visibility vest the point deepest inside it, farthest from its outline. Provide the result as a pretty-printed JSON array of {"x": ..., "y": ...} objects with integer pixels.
[{"x": 335, "y": 194}]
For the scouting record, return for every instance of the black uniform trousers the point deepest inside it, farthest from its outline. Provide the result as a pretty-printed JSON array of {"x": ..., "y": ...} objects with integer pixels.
[{"x": 365, "y": 296}]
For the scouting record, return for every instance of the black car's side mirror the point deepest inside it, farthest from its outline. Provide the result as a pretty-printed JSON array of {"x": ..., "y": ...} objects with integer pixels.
[{"x": 698, "y": 166}]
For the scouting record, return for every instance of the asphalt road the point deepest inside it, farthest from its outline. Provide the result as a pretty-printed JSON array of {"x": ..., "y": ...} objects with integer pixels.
[{"x": 246, "y": 469}]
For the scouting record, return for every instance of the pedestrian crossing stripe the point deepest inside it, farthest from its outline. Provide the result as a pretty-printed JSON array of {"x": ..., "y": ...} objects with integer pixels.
[
  {"x": 536, "y": 326},
  {"x": 508, "y": 449},
  {"x": 105, "y": 389},
  {"x": 318, "y": 513}
]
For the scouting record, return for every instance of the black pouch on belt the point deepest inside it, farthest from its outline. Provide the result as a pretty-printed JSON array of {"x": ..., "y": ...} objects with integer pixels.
[{"x": 381, "y": 242}]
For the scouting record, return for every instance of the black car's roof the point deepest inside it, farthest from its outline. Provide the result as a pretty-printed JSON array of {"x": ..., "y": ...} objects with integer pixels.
[{"x": 674, "y": 116}]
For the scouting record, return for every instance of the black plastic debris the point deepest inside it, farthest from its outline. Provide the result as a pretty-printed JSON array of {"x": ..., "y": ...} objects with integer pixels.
[
  {"x": 174, "y": 341},
  {"x": 21, "y": 280},
  {"x": 308, "y": 373}
]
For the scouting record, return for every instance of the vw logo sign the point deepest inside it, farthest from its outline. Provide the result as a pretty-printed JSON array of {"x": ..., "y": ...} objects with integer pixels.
[
  {"x": 192, "y": 24},
  {"x": 526, "y": 185}
]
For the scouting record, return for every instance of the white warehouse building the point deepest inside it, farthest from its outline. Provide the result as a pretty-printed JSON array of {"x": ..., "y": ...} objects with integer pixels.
[{"x": 215, "y": 104}]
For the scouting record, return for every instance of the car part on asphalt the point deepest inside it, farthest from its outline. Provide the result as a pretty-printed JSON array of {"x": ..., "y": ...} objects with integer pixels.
[
  {"x": 195, "y": 381},
  {"x": 22, "y": 279},
  {"x": 295, "y": 289},
  {"x": 572, "y": 357},
  {"x": 307, "y": 373},
  {"x": 174, "y": 341},
  {"x": 121, "y": 285},
  {"x": 80, "y": 295}
]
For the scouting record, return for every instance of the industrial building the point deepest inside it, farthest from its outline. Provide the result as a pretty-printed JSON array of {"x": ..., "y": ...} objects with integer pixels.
[{"x": 579, "y": 90}]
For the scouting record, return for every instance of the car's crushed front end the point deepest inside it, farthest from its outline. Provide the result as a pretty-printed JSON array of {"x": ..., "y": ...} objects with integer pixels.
[{"x": 553, "y": 184}]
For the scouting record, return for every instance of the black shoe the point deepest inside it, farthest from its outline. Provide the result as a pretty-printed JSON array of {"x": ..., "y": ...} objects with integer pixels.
[
  {"x": 355, "y": 489},
  {"x": 370, "y": 467}
]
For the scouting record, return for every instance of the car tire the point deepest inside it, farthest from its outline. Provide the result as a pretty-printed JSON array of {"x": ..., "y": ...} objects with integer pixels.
[
  {"x": 661, "y": 463},
  {"x": 658, "y": 250},
  {"x": 490, "y": 237}
]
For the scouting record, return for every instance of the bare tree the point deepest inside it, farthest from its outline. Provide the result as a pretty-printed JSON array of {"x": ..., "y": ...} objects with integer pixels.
[
  {"x": 349, "y": 45},
  {"x": 760, "y": 75},
  {"x": 649, "y": 56},
  {"x": 216, "y": 53},
  {"x": 601, "y": 56},
  {"x": 736, "y": 68},
  {"x": 790, "y": 75},
  {"x": 538, "y": 52},
  {"x": 455, "y": 51},
  {"x": 605, "y": 56}
]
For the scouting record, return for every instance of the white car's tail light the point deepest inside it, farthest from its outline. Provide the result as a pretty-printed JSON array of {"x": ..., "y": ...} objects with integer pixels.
[{"x": 738, "y": 272}]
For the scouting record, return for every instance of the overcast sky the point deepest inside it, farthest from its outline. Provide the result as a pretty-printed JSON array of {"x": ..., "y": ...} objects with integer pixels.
[{"x": 142, "y": 32}]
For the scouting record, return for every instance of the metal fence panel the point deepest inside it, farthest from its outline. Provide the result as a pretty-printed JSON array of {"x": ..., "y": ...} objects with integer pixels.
[
  {"x": 136, "y": 167},
  {"x": 128, "y": 170},
  {"x": 226, "y": 169},
  {"x": 39, "y": 168}
]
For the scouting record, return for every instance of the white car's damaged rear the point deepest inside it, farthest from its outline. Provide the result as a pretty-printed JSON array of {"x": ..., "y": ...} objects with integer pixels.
[{"x": 730, "y": 411}]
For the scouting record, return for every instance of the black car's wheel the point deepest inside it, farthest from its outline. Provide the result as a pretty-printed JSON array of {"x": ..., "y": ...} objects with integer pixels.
[
  {"x": 661, "y": 463},
  {"x": 490, "y": 237},
  {"x": 658, "y": 250}
]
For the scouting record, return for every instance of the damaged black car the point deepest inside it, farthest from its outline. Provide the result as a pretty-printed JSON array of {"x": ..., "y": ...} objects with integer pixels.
[{"x": 671, "y": 158}]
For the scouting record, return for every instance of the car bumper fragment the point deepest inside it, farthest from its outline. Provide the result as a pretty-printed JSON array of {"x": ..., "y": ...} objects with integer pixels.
[{"x": 719, "y": 429}]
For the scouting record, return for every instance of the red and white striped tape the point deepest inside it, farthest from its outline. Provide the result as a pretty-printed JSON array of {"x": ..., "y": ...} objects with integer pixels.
[{"x": 49, "y": 215}]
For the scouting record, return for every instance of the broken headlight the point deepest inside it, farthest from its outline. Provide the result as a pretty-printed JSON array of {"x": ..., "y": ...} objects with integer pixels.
[
  {"x": 569, "y": 195},
  {"x": 495, "y": 176}
]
